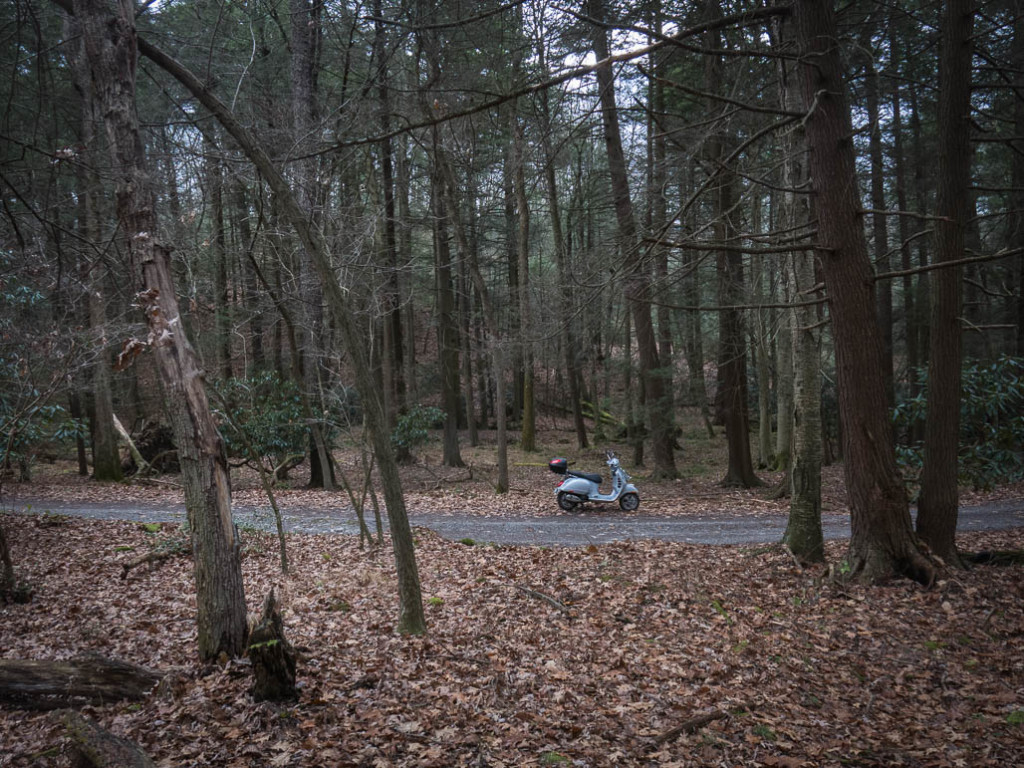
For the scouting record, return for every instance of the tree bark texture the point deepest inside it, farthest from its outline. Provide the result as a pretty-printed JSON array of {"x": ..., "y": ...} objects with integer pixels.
[
  {"x": 394, "y": 379},
  {"x": 106, "y": 460},
  {"x": 568, "y": 336},
  {"x": 310, "y": 293},
  {"x": 635, "y": 267},
  {"x": 879, "y": 226},
  {"x": 95, "y": 680},
  {"x": 882, "y": 543},
  {"x": 528, "y": 433},
  {"x": 938, "y": 503},
  {"x": 272, "y": 656},
  {"x": 447, "y": 327},
  {"x": 110, "y": 42}
]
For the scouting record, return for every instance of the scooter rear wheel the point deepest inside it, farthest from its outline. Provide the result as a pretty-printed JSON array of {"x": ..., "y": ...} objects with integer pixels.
[
  {"x": 570, "y": 502},
  {"x": 629, "y": 501}
]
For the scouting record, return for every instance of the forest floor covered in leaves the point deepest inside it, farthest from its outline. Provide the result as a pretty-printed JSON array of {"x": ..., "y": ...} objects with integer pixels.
[
  {"x": 634, "y": 653},
  {"x": 626, "y": 654}
]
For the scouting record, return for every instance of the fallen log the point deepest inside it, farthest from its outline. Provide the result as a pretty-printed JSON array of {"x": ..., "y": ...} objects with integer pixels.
[
  {"x": 89, "y": 679},
  {"x": 150, "y": 558},
  {"x": 97, "y": 747}
]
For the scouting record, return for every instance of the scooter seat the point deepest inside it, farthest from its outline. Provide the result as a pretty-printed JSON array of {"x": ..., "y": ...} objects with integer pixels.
[{"x": 591, "y": 476}]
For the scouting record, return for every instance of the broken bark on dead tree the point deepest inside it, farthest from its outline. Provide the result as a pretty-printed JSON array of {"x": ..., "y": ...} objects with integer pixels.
[
  {"x": 84, "y": 680},
  {"x": 96, "y": 747},
  {"x": 272, "y": 657}
]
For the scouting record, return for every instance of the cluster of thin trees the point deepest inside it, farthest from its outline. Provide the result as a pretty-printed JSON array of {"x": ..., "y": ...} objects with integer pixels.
[{"x": 513, "y": 208}]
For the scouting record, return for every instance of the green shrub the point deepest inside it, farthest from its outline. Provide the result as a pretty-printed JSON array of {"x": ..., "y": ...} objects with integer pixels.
[
  {"x": 991, "y": 423},
  {"x": 268, "y": 410},
  {"x": 413, "y": 429}
]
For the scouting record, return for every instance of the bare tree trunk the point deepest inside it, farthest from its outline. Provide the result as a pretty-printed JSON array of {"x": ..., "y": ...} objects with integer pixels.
[
  {"x": 528, "y": 432},
  {"x": 1015, "y": 238},
  {"x": 731, "y": 393},
  {"x": 784, "y": 373},
  {"x": 803, "y": 531},
  {"x": 447, "y": 329},
  {"x": 732, "y": 372},
  {"x": 803, "y": 416},
  {"x": 658, "y": 193},
  {"x": 106, "y": 460},
  {"x": 569, "y": 341},
  {"x": 899, "y": 161},
  {"x": 110, "y": 41},
  {"x": 879, "y": 226},
  {"x": 251, "y": 287},
  {"x": 761, "y": 338},
  {"x": 882, "y": 543},
  {"x": 222, "y": 310},
  {"x": 393, "y": 364},
  {"x": 938, "y": 503},
  {"x": 635, "y": 266},
  {"x": 695, "y": 335},
  {"x": 310, "y": 293}
]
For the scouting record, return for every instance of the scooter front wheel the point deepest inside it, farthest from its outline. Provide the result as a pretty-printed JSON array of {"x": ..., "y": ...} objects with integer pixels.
[
  {"x": 629, "y": 501},
  {"x": 570, "y": 502}
]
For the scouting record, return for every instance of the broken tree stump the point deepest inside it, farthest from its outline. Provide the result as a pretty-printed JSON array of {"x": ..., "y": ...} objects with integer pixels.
[
  {"x": 85, "y": 680},
  {"x": 96, "y": 747},
  {"x": 272, "y": 657}
]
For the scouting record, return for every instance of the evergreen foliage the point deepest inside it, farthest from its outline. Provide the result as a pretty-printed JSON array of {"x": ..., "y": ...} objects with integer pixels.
[{"x": 991, "y": 423}]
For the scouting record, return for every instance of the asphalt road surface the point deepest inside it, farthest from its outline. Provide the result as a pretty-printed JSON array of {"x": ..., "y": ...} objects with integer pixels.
[{"x": 592, "y": 527}]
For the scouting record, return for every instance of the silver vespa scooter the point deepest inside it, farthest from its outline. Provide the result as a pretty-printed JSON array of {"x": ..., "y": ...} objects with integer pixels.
[{"x": 578, "y": 488}]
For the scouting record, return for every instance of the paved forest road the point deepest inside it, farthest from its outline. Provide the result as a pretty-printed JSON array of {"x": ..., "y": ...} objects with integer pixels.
[{"x": 593, "y": 527}]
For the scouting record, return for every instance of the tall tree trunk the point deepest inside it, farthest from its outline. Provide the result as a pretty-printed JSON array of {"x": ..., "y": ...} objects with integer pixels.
[
  {"x": 761, "y": 344},
  {"x": 467, "y": 314},
  {"x": 512, "y": 257},
  {"x": 528, "y": 432},
  {"x": 732, "y": 372},
  {"x": 394, "y": 384},
  {"x": 110, "y": 42},
  {"x": 882, "y": 543},
  {"x": 899, "y": 162},
  {"x": 106, "y": 459},
  {"x": 411, "y": 619},
  {"x": 879, "y": 223},
  {"x": 694, "y": 334},
  {"x": 251, "y": 289},
  {"x": 635, "y": 267},
  {"x": 657, "y": 193},
  {"x": 803, "y": 531},
  {"x": 802, "y": 416},
  {"x": 404, "y": 237},
  {"x": 221, "y": 305},
  {"x": 310, "y": 292},
  {"x": 784, "y": 372},
  {"x": 731, "y": 394},
  {"x": 570, "y": 352},
  {"x": 1015, "y": 235},
  {"x": 447, "y": 329},
  {"x": 938, "y": 503}
]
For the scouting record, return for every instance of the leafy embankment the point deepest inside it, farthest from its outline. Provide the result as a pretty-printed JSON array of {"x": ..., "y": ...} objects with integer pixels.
[{"x": 627, "y": 654}]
